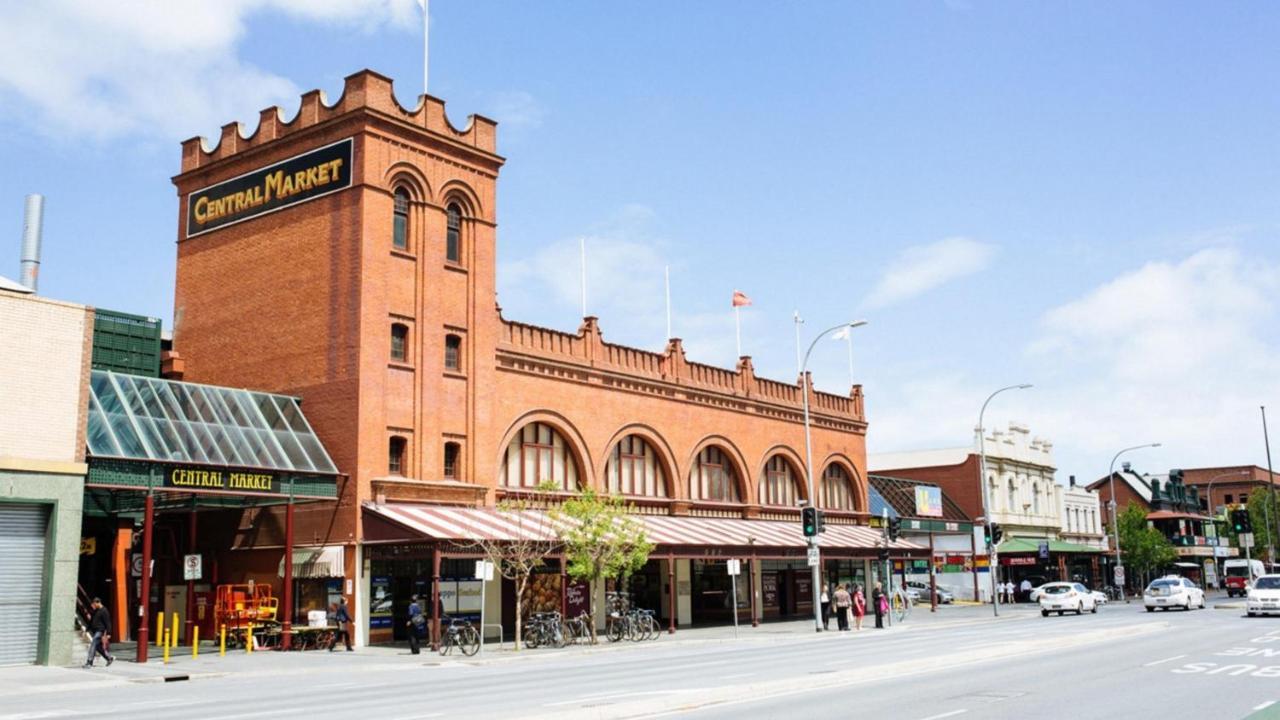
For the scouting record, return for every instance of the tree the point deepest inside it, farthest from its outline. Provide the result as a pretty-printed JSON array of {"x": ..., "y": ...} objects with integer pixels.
[
  {"x": 517, "y": 559},
  {"x": 600, "y": 539},
  {"x": 1142, "y": 547}
]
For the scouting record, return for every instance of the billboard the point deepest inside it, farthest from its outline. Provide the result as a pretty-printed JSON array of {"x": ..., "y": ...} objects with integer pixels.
[{"x": 928, "y": 501}]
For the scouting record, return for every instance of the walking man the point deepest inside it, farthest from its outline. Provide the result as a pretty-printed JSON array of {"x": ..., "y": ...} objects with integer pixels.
[
  {"x": 343, "y": 619},
  {"x": 99, "y": 629},
  {"x": 416, "y": 624}
]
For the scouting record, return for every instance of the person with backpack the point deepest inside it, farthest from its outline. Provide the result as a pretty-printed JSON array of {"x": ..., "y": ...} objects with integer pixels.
[
  {"x": 417, "y": 624},
  {"x": 343, "y": 619}
]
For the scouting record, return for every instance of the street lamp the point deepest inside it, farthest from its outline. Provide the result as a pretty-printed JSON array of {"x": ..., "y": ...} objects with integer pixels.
[
  {"x": 1115, "y": 520},
  {"x": 993, "y": 566},
  {"x": 808, "y": 461}
]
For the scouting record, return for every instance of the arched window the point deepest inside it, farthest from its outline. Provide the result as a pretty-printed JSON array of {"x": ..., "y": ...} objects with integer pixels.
[
  {"x": 1013, "y": 496},
  {"x": 1035, "y": 499},
  {"x": 395, "y": 455},
  {"x": 451, "y": 452},
  {"x": 837, "y": 488},
  {"x": 399, "y": 341},
  {"x": 400, "y": 220},
  {"x": 453, "y": 233},
  {"x": 635, "y": 469},
  {"x": 778, "y": 486},
  {"x": 539, "y": 454},
  {"x": 452, "y": 352},
  {"x": 712, "y": 477}
]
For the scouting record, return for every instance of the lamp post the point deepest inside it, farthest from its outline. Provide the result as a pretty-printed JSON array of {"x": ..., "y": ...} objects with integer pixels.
[
  {"x": 993, "y": 566},
  {"x": 1115, "y": 519},
  {"x": 808, "y": 462}
]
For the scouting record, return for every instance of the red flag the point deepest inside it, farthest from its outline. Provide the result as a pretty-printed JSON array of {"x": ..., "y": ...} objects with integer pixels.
[{"x": 740, "y": 299}]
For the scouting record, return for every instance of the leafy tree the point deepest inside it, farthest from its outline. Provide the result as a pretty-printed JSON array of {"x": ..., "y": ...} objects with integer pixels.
[
  {"x": 600, "y": 539},
  {"x": 1143, "y": 548},
  {"x": 516, "y": 560}
]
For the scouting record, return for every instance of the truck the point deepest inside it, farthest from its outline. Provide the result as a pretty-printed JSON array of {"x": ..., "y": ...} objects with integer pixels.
[{"x": 1239, "y": 575}]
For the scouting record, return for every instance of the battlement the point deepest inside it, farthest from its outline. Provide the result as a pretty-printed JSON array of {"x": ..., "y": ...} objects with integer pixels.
[
  {"x": 364, "y": 90},
  {"x": 587, "y": 348}
]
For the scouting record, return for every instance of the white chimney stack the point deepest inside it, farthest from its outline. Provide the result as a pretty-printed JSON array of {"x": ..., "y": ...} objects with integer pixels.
[{"x": 32, "y": 225}]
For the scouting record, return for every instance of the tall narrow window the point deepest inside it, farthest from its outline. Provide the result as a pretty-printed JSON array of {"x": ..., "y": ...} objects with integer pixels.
[
  {"x": 451, "y": 450},
  {"x": 538, "y": 454},
  {"x": 712, "y": 477},
  {"x": 778, "y": 486},
  {"x": 399, "y": 341},
  {"x": 453, "y": 234},
  {"x": 634, "y": 469},
  {"x": 400, "y": 228},
  {"x": 837, "y": 490},
  {"x": 395, "y": 455},
  {"x": 452, "y": 352}
]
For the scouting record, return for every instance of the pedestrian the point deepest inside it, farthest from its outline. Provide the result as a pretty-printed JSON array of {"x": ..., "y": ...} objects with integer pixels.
[
  {"x": 842, "y": 604},
  {"x": 859, "y": 607},
  {"x": 1026, "y": 590},
  {"x": 100, "y": 633},
  {"x": 343, "y": 619},
  {"x": 826, "y": 608},
  {"x": 417, "y": 624},
  {"x": 879, "y": 604},
  {"x": 1011, "y": 591}
]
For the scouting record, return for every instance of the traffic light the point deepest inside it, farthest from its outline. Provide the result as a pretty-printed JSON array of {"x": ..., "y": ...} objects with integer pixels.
[
  {"x": 1240, "y": 521},
  {"x": 822, "y": 521},
  {"x": 884, "y": 553},
  {"x": 895, "y": 528},
  {"x": 994, "y": 533},
  {"x": 809, "y": 518}
]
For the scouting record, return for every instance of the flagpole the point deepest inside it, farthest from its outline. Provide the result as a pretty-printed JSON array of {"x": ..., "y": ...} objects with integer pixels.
[
  {"x": 426, "y": 41},
  {"x": 582, "y": 242},
  {"x": 799, "y": 322},
  {"x": 666, "y": 273},
  {"x": 737, "y": 322}
]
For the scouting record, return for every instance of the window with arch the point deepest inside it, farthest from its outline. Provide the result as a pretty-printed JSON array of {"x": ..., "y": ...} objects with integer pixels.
[
  {"x": 537, "y": 454},
  {"x": 1013, "y": 496},
  {"x": 837, "y": 488},
  {"x": 1035, "y": 499},
  {"x": 634, "y": 468},
  {"x": 451, "y": 452},
  {"x": 453, "y": 233},
  {"x": 778, "y": 486},
  {"x": 399, "y": 342},
  {"x": 452, "y": 352},
  {"x": 400, "y": 220},
  {"x": 395, "y": 455},
  {"x": 712, "y": 477}
]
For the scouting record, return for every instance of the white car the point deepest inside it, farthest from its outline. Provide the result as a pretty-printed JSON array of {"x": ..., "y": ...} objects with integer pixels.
[
  {"x": 1099, "y": 597},
  {"x": 1064, "y": 597},
  {"x": 1172, "y": 591},
  {"x": 1264, "y": 596}
]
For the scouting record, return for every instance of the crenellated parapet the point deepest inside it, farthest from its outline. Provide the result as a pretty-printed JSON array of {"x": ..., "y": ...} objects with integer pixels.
[
  {"x": 544, "y": 348},
  {"x": 363, "y": 91}
]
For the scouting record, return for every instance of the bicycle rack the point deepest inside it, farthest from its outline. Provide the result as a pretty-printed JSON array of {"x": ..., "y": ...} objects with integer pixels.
[{"x": 501, "y": 639}]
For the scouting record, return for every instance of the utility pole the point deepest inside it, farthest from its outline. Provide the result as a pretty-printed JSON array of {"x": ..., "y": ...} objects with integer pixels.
[{"x": 1271, "y": 483}]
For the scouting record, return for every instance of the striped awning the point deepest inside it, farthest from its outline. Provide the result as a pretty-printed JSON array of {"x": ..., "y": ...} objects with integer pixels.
[
  {"x": 473, "y": 524},
  {"x": 317, "y": 562}
]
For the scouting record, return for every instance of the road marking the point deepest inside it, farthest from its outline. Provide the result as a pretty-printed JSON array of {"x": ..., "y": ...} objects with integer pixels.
[
  {"x": 734, "y": 677},
  {"x": 1265, "y": 705},
  {"x": 608, "y": 696},
  {"x": 1175, "y": 657},
  {"x": 953, "y": 713}
]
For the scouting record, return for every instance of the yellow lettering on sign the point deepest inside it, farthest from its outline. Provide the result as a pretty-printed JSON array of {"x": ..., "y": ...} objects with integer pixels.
[{"x": 274, "y": 186}]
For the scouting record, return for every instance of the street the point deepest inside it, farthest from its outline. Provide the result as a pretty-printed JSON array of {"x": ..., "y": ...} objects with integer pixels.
[{"x": 958, "y": 663}]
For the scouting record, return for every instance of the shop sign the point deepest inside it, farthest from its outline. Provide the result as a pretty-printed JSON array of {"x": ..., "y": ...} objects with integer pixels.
[
  {"x": 769, "y": 588},
  {"x": 275, "y": 187},
  {"x": 381, "y": 608},
  {"x": 577, "y": 598},
  {"x": 1017, "y": 561},
  {"x": 1044, "y": 551},
  {"x": 928, "y": 501},
  {"x": 88, "y": 546},
  {"x": 206, "y": 478}
]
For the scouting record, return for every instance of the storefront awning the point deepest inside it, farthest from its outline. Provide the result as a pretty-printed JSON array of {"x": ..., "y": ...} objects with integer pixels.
[
  {"x": 1032, "y": 545},
  {"x": 321, "y": 562},
  {"x": 473, "y": 524},
  {"x": 1170, "y": 515}
]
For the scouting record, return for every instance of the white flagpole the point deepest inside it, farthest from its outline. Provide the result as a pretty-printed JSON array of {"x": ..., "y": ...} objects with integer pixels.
[
  {"x": 426, "y": 42},
  {"x": 799, "y": 322},
  {"x": 737, "y": 322},
  {"x": 583, "y": 246},
  {"x": 666, "y": 272}
]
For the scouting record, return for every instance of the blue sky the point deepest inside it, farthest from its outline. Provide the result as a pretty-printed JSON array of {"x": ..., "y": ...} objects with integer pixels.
[{"x": 1077, "y": 195}]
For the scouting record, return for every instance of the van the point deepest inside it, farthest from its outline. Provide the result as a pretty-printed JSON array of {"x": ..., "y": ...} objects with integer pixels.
[{"x": 1239, "y": 575}]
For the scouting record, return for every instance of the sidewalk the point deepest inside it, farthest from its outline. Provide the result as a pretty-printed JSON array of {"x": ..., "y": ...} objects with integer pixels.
[{"x": 183, "y": 668}]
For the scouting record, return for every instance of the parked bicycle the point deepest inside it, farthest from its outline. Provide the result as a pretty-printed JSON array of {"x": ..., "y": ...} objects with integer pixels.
[
  {"x": 460, "y": 634},
  {"x": 544, "y": 630},
  {"x": 578, "y": 629}
]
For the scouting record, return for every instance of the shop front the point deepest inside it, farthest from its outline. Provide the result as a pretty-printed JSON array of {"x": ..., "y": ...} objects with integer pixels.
[{"x": 1038, "y": 560}]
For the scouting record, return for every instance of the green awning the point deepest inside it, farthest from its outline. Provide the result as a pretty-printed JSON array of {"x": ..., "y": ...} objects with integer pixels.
[{"x": 1032, "y": 545}]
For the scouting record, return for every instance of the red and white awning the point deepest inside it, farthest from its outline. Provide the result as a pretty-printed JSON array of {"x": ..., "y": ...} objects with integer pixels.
[{"x": 473, "y": 524}]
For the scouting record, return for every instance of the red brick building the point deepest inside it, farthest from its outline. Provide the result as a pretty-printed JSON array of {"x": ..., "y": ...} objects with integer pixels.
[{"x": 348, "y": 257}]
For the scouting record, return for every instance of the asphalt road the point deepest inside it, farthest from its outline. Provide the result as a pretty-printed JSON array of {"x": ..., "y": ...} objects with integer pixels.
[{"x": 1121, "y": 662}]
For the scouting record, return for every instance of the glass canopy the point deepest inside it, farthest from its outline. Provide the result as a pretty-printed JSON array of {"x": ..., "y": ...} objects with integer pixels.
[
  {"x": 143, "y": 418},
  {"x": 878, "y": 504}
]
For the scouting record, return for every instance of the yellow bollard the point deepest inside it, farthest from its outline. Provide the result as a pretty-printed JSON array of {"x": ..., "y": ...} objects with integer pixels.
[
  {"x": 166, "y": 650},
  {"x": 222, "y": 644},
  {"x": 173, "y": 639},
  {"x": 195, "y": 641},
  {"x": 248, "y": 639},
  {"x": 160, "y": 629}
]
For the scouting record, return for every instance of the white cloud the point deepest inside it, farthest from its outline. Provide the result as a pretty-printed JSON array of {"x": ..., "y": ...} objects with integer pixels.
[
  {"x": 514, "y": 109},
  {"x": 163, "y": 70},
  {"x": 921, "y": 268}
]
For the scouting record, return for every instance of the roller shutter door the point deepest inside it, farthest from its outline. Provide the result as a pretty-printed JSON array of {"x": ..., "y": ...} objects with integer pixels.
[{"x": 22, "y": 555}]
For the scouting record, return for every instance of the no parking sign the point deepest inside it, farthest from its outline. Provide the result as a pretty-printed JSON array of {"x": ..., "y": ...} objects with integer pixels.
[{"x": 191, "y": 567}]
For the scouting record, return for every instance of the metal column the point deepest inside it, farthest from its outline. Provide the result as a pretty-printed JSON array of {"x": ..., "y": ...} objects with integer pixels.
[
  {"x": 144, "y": 604},
  {"x": 671, "y": 593},
  {"x": 435, "y": 599},
  {"x": 191, "y": 584},
  {"x": 286, "y": 642}
]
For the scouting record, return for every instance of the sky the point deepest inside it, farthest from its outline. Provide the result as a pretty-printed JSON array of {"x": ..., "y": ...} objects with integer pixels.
[{"x": 1081, "y": 196}]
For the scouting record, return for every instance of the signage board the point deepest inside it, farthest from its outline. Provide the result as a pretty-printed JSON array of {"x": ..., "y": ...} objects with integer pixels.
[
  {"x": 380, "y": 606},
  {"x": 1246, "y": 540},
  {"x": 258, "y": 192},
  {"x": 216, "y": 478},
  {"x": 192, "y": 567},
  {"x": 1119, "y": 576},
  {"x": 735, "y": 566},
  {"x": 484, "y": 570},
  {"x": 88, "y": 546},
  {"x": 1044, "y": 551},
  {"x": 928, "y": 501},
  {"x": 813, "y": 557},
  {"x": 135, "y": 565}
]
